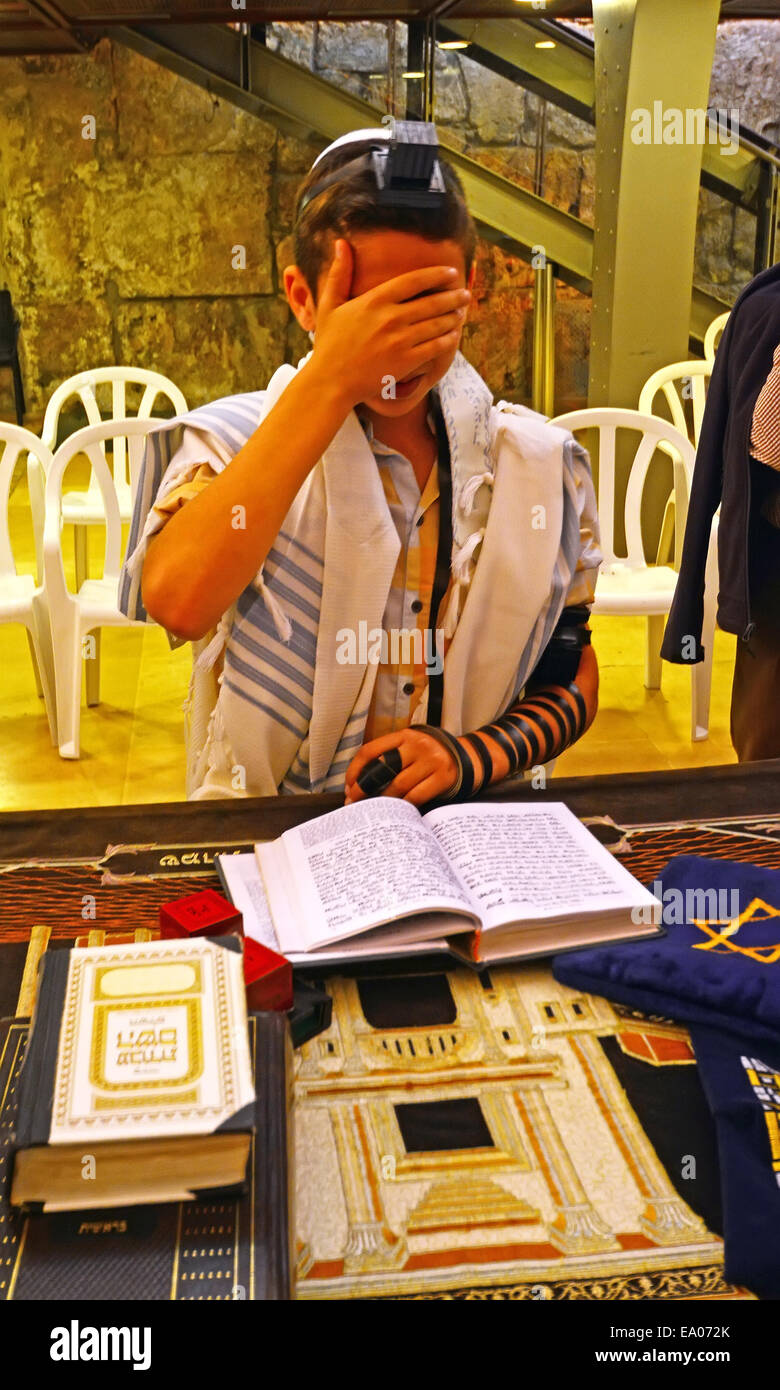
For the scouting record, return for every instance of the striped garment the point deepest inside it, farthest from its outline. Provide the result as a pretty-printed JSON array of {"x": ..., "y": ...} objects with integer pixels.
[
  {"x": 765, "y": 433},
  {"x": 289, "y": 716},
  {"x": 765, "y": 429}
]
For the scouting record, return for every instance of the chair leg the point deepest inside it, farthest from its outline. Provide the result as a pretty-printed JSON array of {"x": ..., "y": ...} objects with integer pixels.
[
  {"x": 701, "y": 673},
  {"x": 666, "y": 537},
  {"x": 18, "y": 390},
  {"x": 80, "y": 554},
  {"x": 36, "y": 668},
  {"x": 66, "y": 635},
  {"x": 41, "y": 639},
  {"x": 655, "y": 634},
  {"x": 92, "y": 671},
  {"x": 701, "y": 686}
]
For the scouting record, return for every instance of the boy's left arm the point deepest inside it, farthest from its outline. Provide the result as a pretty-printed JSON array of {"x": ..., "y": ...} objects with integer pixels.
[{"x": 559, "y": 704}]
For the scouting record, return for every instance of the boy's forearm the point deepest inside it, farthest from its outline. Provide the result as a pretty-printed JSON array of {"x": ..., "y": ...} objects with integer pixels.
[
  {"x": 211, "y": 549},
  {"x": 542, "y": 725}
]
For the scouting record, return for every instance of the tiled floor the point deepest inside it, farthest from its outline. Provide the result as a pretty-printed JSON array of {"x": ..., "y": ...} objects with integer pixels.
[{"x": 131, "y": 744}]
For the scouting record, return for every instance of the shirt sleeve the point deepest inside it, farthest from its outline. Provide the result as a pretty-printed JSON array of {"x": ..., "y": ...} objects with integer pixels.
[
  {"x": 582, "y": 588},
  {"x": 183, "y": 492}
]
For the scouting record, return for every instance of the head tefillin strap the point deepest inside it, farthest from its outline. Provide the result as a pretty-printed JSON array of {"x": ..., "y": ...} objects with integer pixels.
[{"x": 405, "y": 165}]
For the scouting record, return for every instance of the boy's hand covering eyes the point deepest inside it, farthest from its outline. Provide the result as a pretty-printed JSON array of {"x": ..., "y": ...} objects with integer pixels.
[
  {"x": 428, "y": 769},
  {"x": 394, "y": 329}
]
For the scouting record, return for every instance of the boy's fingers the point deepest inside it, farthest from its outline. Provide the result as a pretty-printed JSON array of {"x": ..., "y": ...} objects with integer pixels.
[
  {"x": 428, "y": 789},
  {"x": 369, "y": 751},
  {"x": 435, "y": 328},
  {"x": 338, "y": 282},
  {"x": 432, "y": 347},
  {"x": 429, "y": 306},
  {"x": 414, "y": 282},
  {"x": 418, "y": 771}
]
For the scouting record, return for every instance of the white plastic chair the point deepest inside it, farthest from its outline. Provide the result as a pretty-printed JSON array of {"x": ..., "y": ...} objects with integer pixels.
[
  {"x": 85, "y": 508},
  {"x": 712, "y": 336},
  {"x": 627, "y": 584},
  {"x": 693, "y": 377},
  {"x": 22, "y": 600},
  {"x": 94, "y": 604}
]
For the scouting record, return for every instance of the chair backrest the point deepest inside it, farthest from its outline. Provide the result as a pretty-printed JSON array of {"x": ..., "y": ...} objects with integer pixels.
[
  {"x": 91, "y": 441},
  {"x": 119, "y": 378},
  {"x": 13, "y": 441},
  {"x": 712, "y": 336},
  {"x": 653, "y": 434},
  {"x": 678, "y": 382}
]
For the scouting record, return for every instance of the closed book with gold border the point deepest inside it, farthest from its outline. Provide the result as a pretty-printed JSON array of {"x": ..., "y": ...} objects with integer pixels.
[
  {"x": 137, "y": 1083},
  {"x": 235, "y": 1245}
]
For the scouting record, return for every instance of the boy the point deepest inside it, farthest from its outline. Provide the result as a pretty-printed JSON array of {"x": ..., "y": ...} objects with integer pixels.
[{"x": 374, "y": 493}]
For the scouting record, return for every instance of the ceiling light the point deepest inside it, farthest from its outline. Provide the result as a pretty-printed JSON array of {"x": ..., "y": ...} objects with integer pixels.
[
  {"x": 454, "y": 43},
  {"x": 546, "y": 43},
  {"x": 408, "y": 75}
]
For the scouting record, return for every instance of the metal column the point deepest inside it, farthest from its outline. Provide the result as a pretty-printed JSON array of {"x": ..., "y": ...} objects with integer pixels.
[
  {"x": 651, "y": 56},
  {"x": 543, "y": 372}
]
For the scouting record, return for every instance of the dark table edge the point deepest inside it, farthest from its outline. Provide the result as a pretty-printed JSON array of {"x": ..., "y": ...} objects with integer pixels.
[{"x": 732, "y": 790}]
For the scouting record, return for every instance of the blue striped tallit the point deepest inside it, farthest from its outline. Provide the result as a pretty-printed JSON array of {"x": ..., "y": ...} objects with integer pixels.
[{"x": 288, "y": 717}]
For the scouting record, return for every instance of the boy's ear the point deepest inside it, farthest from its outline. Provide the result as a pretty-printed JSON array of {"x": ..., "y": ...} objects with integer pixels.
[
  {"x": 299, "y": 297},
  {"x": 472, "y": 275}
]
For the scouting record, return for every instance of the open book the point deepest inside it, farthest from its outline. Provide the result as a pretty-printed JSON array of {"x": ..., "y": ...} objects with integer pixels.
[{"x": 506, "y": 880}]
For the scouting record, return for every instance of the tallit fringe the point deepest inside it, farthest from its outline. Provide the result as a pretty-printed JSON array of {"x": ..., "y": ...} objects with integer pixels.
[
  {"x": 217, "y": 644},
  {"x": 470, "y": 489},
  {"x": 462, "y": 559},
  {"x": 206, "y": 659},
  {"x": 277, "y": 614},
  {"x": 220, "y": 756}
]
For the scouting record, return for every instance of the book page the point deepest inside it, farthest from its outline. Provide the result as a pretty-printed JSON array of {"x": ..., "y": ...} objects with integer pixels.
[
  {"x": 358, "y": 867},
  {"x": 243, "y": 883},
  {"x": 534, "y": 862},
  {"x": 241, "y": 877}
]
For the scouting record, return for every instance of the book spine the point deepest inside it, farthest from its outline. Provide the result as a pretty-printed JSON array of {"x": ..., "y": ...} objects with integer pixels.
[
  {"x": 36, "y": 1087},
  {"x": 275, "y": 1179}
]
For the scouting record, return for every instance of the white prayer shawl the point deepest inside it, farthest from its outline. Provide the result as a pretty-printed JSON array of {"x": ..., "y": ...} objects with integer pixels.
[{"x": 286, "y": 715}]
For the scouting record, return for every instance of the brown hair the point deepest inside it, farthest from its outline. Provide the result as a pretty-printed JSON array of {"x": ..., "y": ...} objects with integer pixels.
[{"x": 350, "y": 205}]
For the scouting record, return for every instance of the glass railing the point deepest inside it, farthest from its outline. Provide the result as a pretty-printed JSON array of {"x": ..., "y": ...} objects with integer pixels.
[{"x": 515, "y": 121}]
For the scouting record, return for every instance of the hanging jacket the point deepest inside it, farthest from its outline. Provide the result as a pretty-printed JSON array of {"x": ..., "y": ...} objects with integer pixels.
[{"x": 727, "y": 475}]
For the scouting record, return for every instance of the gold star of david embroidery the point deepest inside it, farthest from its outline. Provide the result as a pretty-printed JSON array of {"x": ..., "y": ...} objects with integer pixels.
[{"x": 720, "y": 942}]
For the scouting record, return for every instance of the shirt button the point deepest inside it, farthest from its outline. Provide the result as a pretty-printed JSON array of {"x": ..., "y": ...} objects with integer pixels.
[
  {"x": 409, "y": 688},
  {"x": 416, "y": 605}
]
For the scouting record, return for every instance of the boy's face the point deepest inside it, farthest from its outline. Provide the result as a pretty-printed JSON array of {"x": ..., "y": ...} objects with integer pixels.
[{"x": 382, "y": 255}]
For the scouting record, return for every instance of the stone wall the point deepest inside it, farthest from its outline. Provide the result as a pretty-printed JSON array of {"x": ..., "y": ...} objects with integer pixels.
[{"x": 121, "y": 248}]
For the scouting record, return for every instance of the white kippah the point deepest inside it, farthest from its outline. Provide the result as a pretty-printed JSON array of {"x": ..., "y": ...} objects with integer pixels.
[{"x": 354, "y": 137}]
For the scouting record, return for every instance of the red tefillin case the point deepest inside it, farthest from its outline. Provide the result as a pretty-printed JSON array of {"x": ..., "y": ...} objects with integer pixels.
[
  {"x": 267, "y": 975},
  {"x": 201, "y": 914},
  {"x": 268, "y": 978}
]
